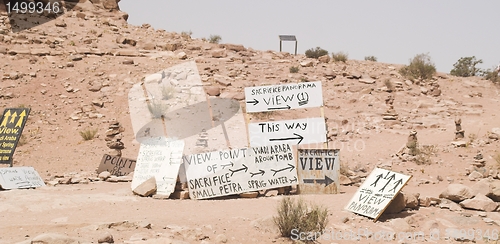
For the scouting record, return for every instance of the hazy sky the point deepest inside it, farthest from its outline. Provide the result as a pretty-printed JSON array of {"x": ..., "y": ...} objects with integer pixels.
[{"x": 394, "y": 31}]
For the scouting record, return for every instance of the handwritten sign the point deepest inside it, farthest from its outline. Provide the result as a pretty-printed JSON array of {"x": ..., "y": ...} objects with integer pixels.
[
  {"x": 318, "y": 171},
  {"x": 159, "y": 157},
  {"x": 20, "y": 177},
  {"x": 116, "y": 165},
  {"x": 229, "y": 172},
  {"x": 376, "y": 192},
  {"x": 11, "y": 126},
  {"x": 299, "y": 131},
  {"x": 283, "y": 97}
]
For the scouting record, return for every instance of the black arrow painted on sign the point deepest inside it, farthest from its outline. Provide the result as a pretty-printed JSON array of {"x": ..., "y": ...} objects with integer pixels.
[
  {"x": 298, "y": 137},
  {"x": 237, "y": 170},
  {"x": 226, "y": 165},
  {"x": 280, "y": 108},
  {"x": 294, "y": 179},
  {"x": 374, "y": 184},
  {"x": 388, "y": 181},
  {"x": 254, "y": 102},
  {"x": 291, "y": 167},
  {"x": 327, "y": 181},
  {"x": 261, "y": 172},
  {"x": 399, "y": 182},
  {"x": 167, "y": 178}
]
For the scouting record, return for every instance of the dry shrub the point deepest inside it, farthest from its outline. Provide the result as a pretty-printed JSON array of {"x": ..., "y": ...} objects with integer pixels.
[
  {"x": 340, "y": 57},
  {"x": 295, "y": 216},
  {"x": 88, "y": 134}
]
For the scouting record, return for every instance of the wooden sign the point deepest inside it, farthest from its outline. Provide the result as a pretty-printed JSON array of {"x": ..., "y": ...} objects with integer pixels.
[
  {"x": 283, "y": 97},
  {"x": 159, "y": 157},
  {"x": 229, "y": 172},
  {"x": 11, "y": 126},
  {"x": 116, "y": 165},
  {"x": 20, "y": 177},
  {"x": 376, "y": 192},
  {"x": 299, "y": 131},
  {"x": 318, "y": 171}
]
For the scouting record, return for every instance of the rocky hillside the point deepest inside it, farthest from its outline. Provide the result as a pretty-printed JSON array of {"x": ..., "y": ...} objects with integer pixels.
[{"x": 75, "y": 72}]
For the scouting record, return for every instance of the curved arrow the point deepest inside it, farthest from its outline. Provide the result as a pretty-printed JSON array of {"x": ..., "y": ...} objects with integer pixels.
[
  {"x": 261, "y": 172},
  {"x": 298, "y": 137},
  {"x": 327, "y": 181},
  {"x": 254, "y": 102}
]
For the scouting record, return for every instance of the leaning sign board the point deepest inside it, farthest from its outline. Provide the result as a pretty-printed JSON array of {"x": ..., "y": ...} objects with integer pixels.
[
  {"x": 376, "y": 192},
  {"x": 11, "y": 127},
  {"x": 283, "y": 97},
  {"x": 160, "y": 158},
  {"x": 116, "y": 165},
  {"x": 19, "y": 177},
  {"x": 229, "y": 172},
  {"x": 299, "y": 131},
  {"x": 318, "y": 171}
]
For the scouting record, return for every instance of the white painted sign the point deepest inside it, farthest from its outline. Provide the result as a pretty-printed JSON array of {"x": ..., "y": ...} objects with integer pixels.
[
  {"x": 299, "y": 131},
  {"x": 283, "y": 97},
  {"x": 229, "y": 172},
  {"x": 318, "y": 171},
  {"x": 20, "y": 177},
  {"x": 376, "y": 192},
  {"x": 159, "y": 157}
]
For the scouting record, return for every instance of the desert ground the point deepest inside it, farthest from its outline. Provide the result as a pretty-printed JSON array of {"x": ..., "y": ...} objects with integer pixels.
[{"x": 75, "y": 73}]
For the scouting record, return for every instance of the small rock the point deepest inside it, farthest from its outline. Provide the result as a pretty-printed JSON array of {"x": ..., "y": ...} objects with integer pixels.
[
  {"x": 221, "y": 238},
  {"x": 147, "y": 188},
  {"x": 105, "y": 238},
  {"x": 367, "y": 80},
  {"x": 456, "y": 192},
  {"x": 128, "y": 61},
  {"x": 459, "y": 143},
  {"x": 480, "y": 202},
  {"x": 213, "y": 91},
  {"x": 397, "y": 205},
  {"x": 271, "y": 193},
  {"x": 307, "y": 63},
  {"x": 104, "y": 175},
  {"x": 324, "y": 59},
  {"x": 474, "y": 175}
]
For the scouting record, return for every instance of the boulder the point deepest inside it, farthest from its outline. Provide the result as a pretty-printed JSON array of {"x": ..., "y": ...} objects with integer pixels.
[
  {"x": 412, "y": 200},
  {"x": 457, "y": 192},
  {"x": 397, "y": 205},
  {"x": 474, "y": 175},
  {"x": 105, "y": 238},
  {"x": 480, "y": 202},
  {"x": 324, "y": 59},
  {"x": 494, "y": 191}
]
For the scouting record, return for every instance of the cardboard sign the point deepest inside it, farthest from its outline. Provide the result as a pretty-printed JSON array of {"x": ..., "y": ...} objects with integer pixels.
[
  {"x": 299, "y": 131},
  {"x": 376, "y": 192},
  {"x": 318, "y": 171},
  {"x": 116, "y": 165},
  {"x": 283, "y": 97},
  {"x": 11, "y": 126},
  {"x": 19, "y": 177},
  {"x": 229, "y": 172},
  {"x": 159, "y": 157}
]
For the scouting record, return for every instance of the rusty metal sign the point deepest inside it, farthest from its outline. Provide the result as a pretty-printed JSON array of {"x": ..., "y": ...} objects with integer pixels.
[{"x": 318, "y": 171}]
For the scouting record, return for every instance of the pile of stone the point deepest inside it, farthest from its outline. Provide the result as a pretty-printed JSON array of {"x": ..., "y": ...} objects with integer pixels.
[
  {"x": 483, "y": 196},
  {"x": 114, "y": 137},
  {"x": 459, "y": 133},
  {"x": 390, "y": 114},
  {"x": 477, "y": 169}
]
